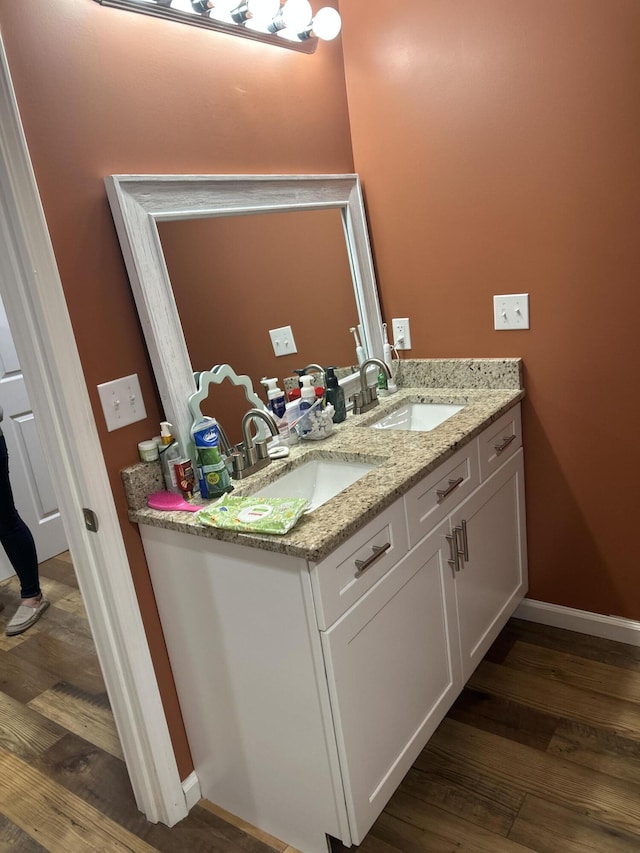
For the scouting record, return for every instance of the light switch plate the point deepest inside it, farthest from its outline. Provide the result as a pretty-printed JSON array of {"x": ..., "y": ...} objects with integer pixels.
[
  {"x": 282, "y": 340},
  {"x": 122, "y": 402},
  {"x": 511, "y": 311}
]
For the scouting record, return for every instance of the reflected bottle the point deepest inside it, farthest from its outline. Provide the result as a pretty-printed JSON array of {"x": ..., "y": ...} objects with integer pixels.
[{"x": 335, "y": 395}]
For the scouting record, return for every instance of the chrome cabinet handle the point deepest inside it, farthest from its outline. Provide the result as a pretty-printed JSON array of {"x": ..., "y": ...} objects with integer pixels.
[
  {"x": 453, "y": 484},
  {"x": 454, "y": 560},
  {"x": 460, "y": 551},
  {"x": 505, "y": 443},
  {"x": 363, "y": 565},
  {"x": 465, "y": 542}
]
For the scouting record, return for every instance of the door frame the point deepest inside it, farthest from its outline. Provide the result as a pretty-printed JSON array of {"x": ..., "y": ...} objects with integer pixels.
[{"x": 34, "y": 300}]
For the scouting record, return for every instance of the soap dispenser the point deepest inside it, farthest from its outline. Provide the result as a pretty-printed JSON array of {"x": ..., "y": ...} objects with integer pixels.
[
  {"x": 275, "y": 397},
  {"x": 308, "y": 398},
  {"x": 335, "y": 395}
]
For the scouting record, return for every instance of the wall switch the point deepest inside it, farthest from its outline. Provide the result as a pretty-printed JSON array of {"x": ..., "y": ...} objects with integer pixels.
[
  {"x": 282, "y": 340},
  {"x": 401, "y": 333},
  {"x": 511, "y": 311},
  {"x": 122, "y": 402}
]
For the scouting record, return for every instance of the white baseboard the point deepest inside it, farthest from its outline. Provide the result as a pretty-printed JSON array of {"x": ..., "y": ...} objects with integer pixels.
[
  {"x": 583, "y": 621},
  {"x": 191, "y": 788}
]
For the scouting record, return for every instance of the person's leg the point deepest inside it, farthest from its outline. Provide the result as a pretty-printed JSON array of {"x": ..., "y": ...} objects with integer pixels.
[
  {"x": 15, "y": 536},
  {"x": 20, "y": 548}
]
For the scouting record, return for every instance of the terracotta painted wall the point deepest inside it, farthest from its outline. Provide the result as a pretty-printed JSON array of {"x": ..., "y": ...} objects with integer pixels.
[
  {"x": 498, "y": 145},
  {"x": 102, "y": 91}
]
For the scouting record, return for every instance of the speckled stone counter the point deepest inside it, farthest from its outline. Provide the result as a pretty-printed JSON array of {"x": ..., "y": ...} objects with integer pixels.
[{"x": 486, "y": 387}]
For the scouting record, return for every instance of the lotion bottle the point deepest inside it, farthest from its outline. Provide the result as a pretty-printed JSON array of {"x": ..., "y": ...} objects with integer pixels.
[{"x": 170, "y": 453}]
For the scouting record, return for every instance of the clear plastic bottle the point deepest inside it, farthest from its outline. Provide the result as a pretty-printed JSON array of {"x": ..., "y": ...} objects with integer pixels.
[{"x": 307, "y": 399}]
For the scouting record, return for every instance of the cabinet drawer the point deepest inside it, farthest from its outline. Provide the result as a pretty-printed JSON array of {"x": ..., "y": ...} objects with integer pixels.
[
  {"x": 338, "y": 582},
  {"x": 500, "y": 441},
  {"x": 433, "y": 498}
]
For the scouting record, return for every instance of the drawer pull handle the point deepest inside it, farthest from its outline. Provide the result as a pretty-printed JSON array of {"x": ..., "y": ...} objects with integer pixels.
[
  {"x": 465, "y": 543},
  {"x": 505, "y": 443},
  {"x": 378, "y": 551},
  {"x": 453, "y": 484},
  {"x": 454, "y": 560}
]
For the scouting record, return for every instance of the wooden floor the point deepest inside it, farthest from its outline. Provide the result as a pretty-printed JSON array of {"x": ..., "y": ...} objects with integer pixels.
[{"x": 541, "y": 752}]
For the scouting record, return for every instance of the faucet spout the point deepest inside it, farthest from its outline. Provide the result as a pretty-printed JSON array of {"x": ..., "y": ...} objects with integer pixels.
[
  {"x": 367, "y": 397},
  {"x": 313, "y": 367},
  {"x": 247, "y": 457},
  {"x": 364, "y": 388},
  {"x": 246, "y": 421}
]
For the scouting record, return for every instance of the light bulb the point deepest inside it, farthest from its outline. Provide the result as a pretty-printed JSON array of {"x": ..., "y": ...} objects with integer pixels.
[
  {"x": 294, "y": 15},
  {"x": 326, "y": 23}
]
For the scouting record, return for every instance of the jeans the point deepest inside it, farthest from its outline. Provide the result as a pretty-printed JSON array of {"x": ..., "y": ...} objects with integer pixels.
[{"x": 15, "y": 536}]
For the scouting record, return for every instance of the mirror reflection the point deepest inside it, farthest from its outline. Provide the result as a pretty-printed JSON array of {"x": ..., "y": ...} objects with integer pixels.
[{"x": 235, "y": 278}]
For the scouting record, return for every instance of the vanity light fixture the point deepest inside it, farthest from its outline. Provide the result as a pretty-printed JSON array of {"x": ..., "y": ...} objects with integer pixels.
[{"x": 290, "y": 24}]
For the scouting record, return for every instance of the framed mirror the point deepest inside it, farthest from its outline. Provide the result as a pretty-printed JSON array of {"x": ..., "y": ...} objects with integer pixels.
[{"x": 141, "y": 204}]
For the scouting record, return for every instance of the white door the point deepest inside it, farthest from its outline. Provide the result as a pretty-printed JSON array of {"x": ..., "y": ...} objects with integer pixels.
[{"x": 30, "y": 477}]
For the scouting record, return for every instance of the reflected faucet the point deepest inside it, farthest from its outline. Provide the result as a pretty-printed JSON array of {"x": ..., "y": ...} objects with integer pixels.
[
  {"x": 313, "y": 367},
  {"x": 367, "y": 397},
  {"x": 249, "y": 457}
]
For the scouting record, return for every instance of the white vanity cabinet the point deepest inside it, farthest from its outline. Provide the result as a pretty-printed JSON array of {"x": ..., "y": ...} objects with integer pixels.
[
  {"x": 393, "y": 670},
  {"x": 308, "y": 690}
]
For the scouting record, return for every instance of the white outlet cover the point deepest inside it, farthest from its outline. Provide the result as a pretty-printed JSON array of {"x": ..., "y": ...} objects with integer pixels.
[
  {"x": 282, "y": 340},
  {"x": 511, "y": 311},
  {"x": 401, "y": 333},
  {"x": 122, "y": 402}
]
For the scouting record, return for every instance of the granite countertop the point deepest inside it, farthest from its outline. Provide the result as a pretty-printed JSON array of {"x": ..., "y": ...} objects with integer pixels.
[{"x": 486, "y": 387}]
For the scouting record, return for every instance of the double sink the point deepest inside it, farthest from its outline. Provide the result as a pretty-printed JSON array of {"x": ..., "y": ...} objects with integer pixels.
[{"x": 319, "y": 480}]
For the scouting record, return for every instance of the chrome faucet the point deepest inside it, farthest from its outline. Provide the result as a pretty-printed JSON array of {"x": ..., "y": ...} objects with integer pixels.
[
  {"x": 367, "y": 397},
  {"x": 249, "y": 457},
  {"x": 313, "y": 367}
]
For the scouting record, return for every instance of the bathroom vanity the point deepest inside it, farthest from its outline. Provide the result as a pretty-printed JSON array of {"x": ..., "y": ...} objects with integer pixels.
[{"x": 312, "y": 668}]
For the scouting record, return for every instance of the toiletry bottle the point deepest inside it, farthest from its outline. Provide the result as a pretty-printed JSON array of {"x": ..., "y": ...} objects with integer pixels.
[
  {"x": 275, "y": 397},
  {"x": 308, "y": 398},
  {"x": 170, "y": 453},
  {"x": 335, "y": 395}
]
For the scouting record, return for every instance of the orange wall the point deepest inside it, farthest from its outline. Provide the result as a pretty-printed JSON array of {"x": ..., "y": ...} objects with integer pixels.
[
  {"x": 102, "y": 91},
  {"x": 498, "y": 146}
]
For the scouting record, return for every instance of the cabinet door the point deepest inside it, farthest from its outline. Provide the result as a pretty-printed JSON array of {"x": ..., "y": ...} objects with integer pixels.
[
  {"x": 393, "y": 668},
  {"x": 493, "y": 579}
]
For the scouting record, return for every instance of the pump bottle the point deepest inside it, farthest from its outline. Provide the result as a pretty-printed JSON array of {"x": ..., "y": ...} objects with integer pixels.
[
  {"x": 335, "y": 395},
  {"x": 170, "y": 453},
  {"x": 275, "y": 397},
  {"x": 308, "y": 398}
]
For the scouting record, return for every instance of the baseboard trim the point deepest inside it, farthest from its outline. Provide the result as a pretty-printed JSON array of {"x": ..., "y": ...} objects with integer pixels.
[
  {"x": 191, "y": 788},
  {"x": 583, "y": 621}
]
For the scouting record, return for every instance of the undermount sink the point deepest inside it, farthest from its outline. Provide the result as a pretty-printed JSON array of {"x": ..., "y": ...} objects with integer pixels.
[
  {"x": 418, "y": 417},
  {"x": 317, "y": 480}
]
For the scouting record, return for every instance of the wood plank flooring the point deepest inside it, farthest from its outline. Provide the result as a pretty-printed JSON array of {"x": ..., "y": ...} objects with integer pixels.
[{"x": 541, "y": 752}]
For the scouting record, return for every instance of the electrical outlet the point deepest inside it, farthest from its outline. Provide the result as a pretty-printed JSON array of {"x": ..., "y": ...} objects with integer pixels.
[
  {"x": 511, "y": 311},
  {"x": 401, "y": 333},
  {"x": 122, "y": 402},
  {"x": 282, "y": 340}
]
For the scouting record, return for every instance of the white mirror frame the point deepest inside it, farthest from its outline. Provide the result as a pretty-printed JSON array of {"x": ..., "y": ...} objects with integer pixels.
[{"x": 139, "y": 202}]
